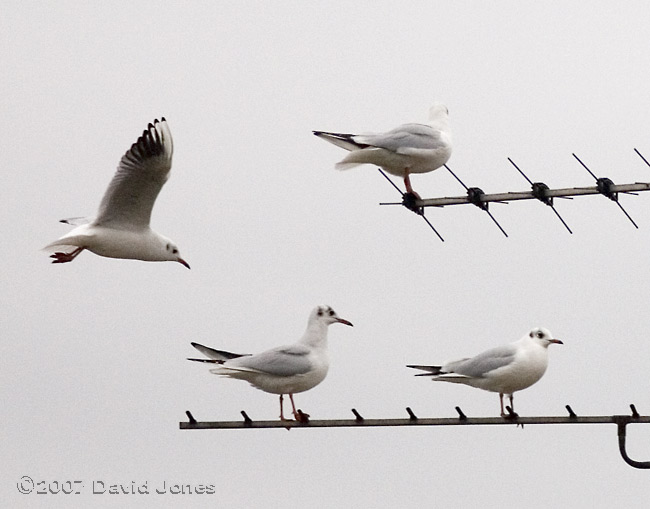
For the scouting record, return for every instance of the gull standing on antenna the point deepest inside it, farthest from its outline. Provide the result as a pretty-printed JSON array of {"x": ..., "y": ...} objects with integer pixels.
[
  {"x": 121, "y": 227},
  {"x": 284, "y": 369},
  {"x": 504, "y": 369},
  {"x": 407, "y": 149}
]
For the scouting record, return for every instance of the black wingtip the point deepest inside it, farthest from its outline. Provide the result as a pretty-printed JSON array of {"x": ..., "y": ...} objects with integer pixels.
[{"x": 430, "y": 370}]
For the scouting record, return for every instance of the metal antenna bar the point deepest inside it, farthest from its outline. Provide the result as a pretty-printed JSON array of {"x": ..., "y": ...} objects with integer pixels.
[
  {"x": 408, "y": 201},
  {"x": 585, "y": 166},
  {"x": 456, "y": 177},
  {"x": 621, "y": 422},
  {"x": 561, "y": 220},
  {"x": 641, "y": 156},
  {"x": 419, "y": 421},
  {"x": 475, "y": 197},
  {"x": 528, "y": 195},
  {"x": 540, "y": 190},
  {"x": 626, "y": 214},
  {"x": 521, "y": 172},
  {"x": 391, "y": 182},
  {"x": 606, "y": 187}
]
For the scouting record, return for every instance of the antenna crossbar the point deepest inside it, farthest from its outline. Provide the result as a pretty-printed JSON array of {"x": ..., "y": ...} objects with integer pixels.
[
  {"x": 359, "y": 421},
  {"x": 529, "y": 195}
]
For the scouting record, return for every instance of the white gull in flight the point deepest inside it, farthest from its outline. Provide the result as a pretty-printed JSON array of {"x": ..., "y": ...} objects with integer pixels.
[{"x": 121, "y": 227}]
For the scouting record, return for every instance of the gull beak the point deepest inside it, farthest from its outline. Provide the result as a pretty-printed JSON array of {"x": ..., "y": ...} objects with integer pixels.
[
  {"x": 558, "y": 341},
  {"x": 183, "y": 262},
  {"x": 345, "y": 322}
]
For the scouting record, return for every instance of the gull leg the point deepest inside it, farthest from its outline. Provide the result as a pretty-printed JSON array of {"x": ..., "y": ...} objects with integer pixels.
[
  {"x": 297, "y": 416},
  {"x": 60, "y": 257},
  {"x": 293, "y": 405},
  {"x": 503, "y": 414},
  {"x": 282, "y": 408},
  {"x": 512, "y": 414},
  {"x": 409, "y": 188}
]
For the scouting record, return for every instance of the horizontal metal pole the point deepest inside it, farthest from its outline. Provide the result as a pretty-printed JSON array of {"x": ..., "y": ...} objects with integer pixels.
[
  {"x": 468, "y": 421},
  {"x": 528, "y": 195},
  {"x": 621, "y": 422}
]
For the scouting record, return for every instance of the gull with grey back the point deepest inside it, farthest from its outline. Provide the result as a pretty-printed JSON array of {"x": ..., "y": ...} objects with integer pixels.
[
  {"x": 505, "y": 369},
  {"x": 409, "y": 148},
  {"x": 284, "y": 369},
  {"x": 121, "y": 227}
]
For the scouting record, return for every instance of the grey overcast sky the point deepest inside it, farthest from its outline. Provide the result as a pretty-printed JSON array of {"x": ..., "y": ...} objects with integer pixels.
[{"x": 94, "y": 376}]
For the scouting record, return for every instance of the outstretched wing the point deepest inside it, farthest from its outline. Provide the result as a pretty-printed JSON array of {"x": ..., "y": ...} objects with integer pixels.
[{"x": 143, "y": 170}]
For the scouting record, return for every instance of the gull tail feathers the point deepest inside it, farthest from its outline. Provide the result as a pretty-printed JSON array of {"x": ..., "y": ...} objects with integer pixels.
[
  {"x": 211, "y": 361},
  {"x": 72, "y": 242},
  {"x": 431, "y": 370},
  {"x": 342, "y": 140},
  {"x": 357, "y": 157},
  {"x": 220, "y": 356},
  {"x": 345, "y": 166},
  {"x": 453, "y": 378},
  {"x": 240, "y": 372}
]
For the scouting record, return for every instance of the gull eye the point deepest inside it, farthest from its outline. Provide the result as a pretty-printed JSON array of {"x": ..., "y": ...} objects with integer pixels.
[
  {"x": 332, "y": 313},
  {"x": 175, "y": 251},
  {"x": 540, "y": 334}
]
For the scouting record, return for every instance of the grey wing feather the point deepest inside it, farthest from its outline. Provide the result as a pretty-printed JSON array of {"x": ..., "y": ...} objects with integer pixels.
[
  {"x": 281, "y": 361},
  {"x": 220, "y": 355},
  {"x": 140, "y": 175},
  {"x": 483, "y": 363},
  {"x": 407, "y": 136}
]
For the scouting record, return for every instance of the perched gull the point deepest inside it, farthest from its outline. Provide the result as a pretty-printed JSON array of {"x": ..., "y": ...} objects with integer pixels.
[
  {"x": 409, "y": 148},
  {"x": 504, "y": 369},
  {"x": 285, "y": 369},
  {"x": 121, "y": 227}
]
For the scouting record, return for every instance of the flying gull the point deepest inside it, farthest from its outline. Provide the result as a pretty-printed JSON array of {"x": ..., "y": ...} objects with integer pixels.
[{"x": 121, "y": 227}]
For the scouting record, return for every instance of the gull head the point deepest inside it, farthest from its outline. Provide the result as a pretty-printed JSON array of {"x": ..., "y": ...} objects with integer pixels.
[
  {"x": 327, "y": 316},
  {"x": 171, "y": 253},
  {"x": 543, "y": 337},
  {"x": 437, "y": 111}
]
